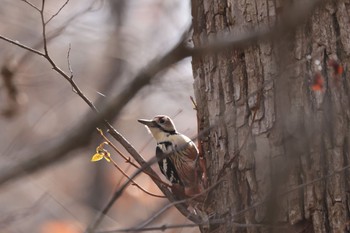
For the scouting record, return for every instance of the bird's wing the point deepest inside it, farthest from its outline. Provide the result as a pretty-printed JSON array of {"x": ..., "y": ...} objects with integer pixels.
[
  {"x": 167, "y": 167},
  {"x": 189, "y": 151}
]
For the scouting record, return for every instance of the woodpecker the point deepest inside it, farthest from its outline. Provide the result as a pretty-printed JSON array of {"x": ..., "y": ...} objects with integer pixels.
[{"x": 177, "y": 154}]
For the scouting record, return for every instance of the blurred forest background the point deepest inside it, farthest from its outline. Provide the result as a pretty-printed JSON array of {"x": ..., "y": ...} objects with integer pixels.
[{"x": 103, "y": 36}]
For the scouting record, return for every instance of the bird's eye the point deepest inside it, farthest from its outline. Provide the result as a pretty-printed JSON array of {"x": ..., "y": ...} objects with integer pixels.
[{"x": 161, "y": 120}]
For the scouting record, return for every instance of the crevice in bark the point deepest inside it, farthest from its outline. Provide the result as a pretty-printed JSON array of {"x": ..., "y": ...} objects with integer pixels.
[
  {"x": 245, "y": 88},
  {"x": 199, "y": 21},
  {"x": 346, "y": 181},
  {"x": 326, "y": 212},
  {"x": 301, "y": 180},
  {"x": 328, "y": 112},
  {"x": 340, "y": 49},
  {"x": 324, "y": 183}
]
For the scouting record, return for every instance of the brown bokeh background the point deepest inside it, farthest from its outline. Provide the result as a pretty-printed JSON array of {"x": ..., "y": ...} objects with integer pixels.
[{"x": 66, "y": 197}]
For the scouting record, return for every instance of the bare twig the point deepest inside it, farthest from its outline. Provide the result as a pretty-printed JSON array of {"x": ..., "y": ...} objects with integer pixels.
[
  {"x": 172, "y": 204},
  {"x": 127, "y": 159},
  {"x": 10, "y": 68},
  {"x": 43, "y": 28},
  {"x": 53, "y": 34},
  {"x": 31, "y": 5},
  {"x": 68, "y": 61},
  {"x": 59, "y": 10},
  {"x": 17, "y": 43},
  {"x": 194, "y": 103},
  {"x": 132, "y": 181}
]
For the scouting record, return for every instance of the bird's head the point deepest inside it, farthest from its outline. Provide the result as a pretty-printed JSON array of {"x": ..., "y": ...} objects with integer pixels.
[{"x": 160, "y": 126}]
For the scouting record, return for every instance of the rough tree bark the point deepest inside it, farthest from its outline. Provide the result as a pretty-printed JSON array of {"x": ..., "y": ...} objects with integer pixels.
[{"x": 298, "y": 134}]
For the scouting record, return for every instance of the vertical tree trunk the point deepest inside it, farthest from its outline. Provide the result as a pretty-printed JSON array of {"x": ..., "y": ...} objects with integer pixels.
[{"x": 287, "y": 141}]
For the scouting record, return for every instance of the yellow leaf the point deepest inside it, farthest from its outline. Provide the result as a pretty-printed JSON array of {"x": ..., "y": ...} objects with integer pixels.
[
  {"x": 101, "y": 153},
  {"x": 107, "y": 157},
  {"x": 96, "y": 157}
]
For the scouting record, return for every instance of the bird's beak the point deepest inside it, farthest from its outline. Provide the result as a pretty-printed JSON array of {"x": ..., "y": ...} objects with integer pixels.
[{"x": 149, "y": 123}]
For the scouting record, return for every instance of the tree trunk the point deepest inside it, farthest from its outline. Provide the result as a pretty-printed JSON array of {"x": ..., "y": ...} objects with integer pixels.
[{"x": 280, "y": 142}]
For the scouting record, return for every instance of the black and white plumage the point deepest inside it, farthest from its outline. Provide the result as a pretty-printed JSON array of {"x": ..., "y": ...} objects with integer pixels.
[
  {"x": 178, "y": 154},
  {"x": 166, "y": 165}
]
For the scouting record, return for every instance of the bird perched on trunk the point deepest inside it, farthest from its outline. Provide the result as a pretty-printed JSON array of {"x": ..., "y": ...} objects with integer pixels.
[{"x": 178, "y": 156}]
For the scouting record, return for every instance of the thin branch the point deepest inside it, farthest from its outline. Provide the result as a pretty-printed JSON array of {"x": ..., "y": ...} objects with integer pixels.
[
  {"x": 127, "y": 159},
  {"x": 43, "y": 28},
  {"x": 59, "y": 10},
  {"x": 17, "y": 43},
  {"x": 194, "y": 103},
  {"x": 68, "y": 62},
  {"x": 53, "y": 34},
  {"x": 172, "y": 204},
  {"x": 132, "y": 181},
  {"x": 122, "y": 178},
  {"x": 31, "y": 5}
]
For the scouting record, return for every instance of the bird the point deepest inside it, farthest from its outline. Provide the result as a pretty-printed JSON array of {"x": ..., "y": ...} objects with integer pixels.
[{"x": 178, "y": 156}]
